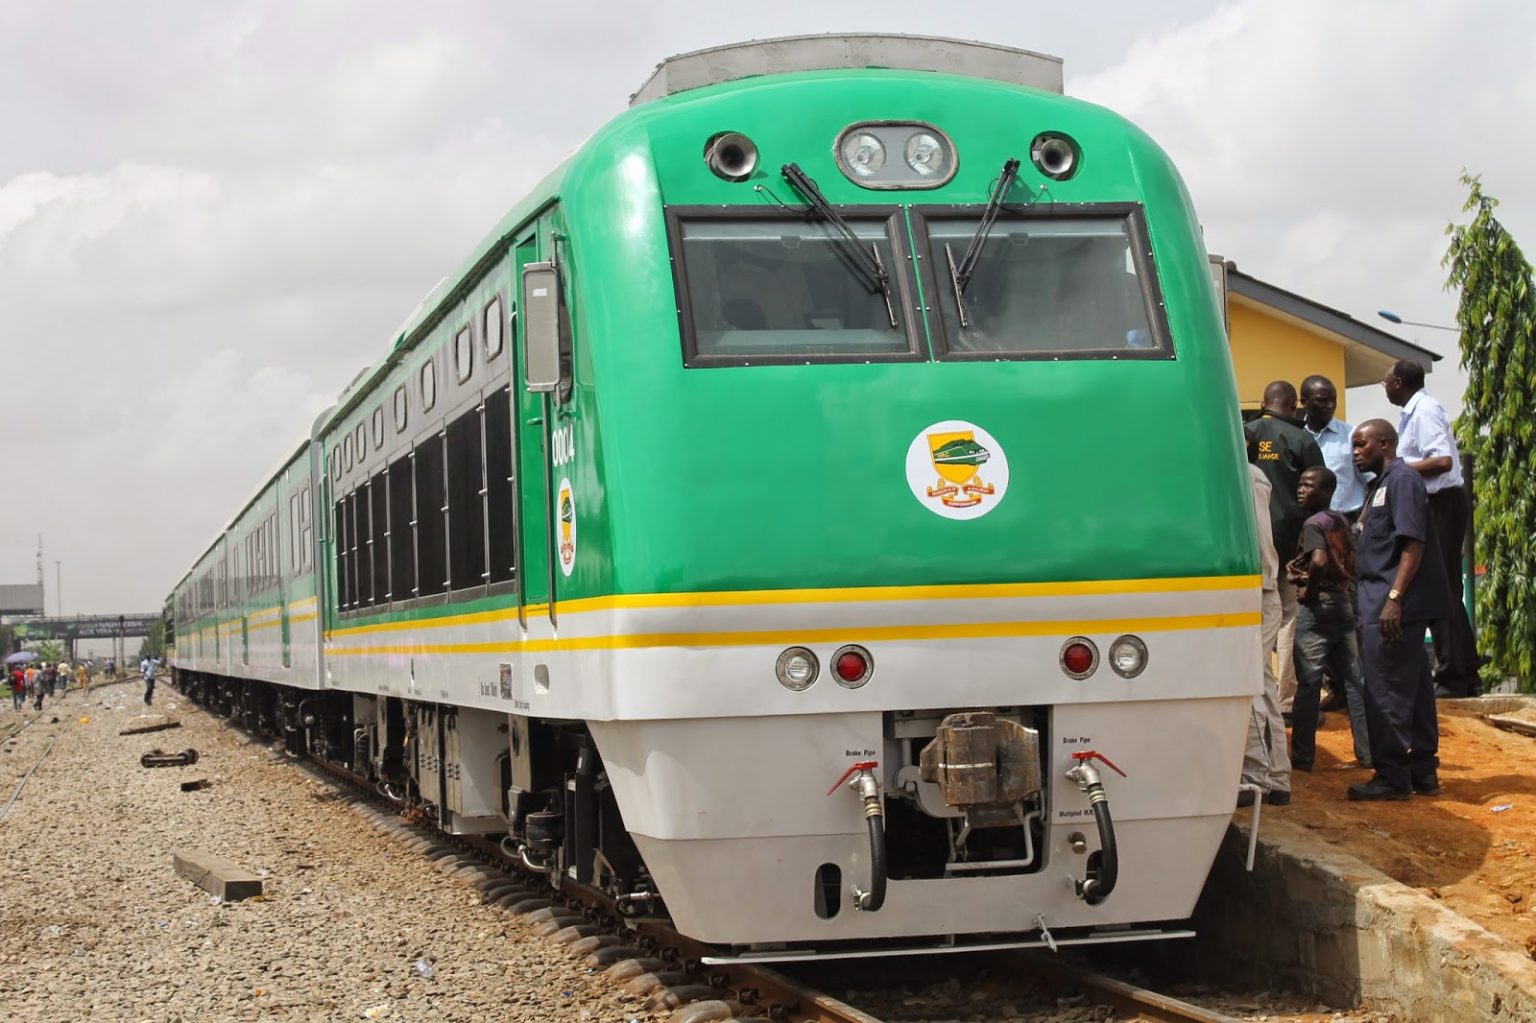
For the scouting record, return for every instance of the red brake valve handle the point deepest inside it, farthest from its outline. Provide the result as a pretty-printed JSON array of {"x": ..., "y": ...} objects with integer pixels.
[
  {"x": 863, "y": 765},
  {"x": 1091, "y": 754}
]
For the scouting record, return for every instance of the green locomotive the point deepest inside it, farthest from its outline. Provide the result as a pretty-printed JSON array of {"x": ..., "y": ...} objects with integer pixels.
[{"x": 850, "y": 406}]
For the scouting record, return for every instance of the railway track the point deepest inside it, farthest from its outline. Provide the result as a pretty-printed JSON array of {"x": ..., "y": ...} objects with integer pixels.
[{"x": 668, "y": 970}]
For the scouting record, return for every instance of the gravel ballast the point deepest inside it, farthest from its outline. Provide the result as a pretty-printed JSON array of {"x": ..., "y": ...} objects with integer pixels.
[{"x": 354, "y": 924}]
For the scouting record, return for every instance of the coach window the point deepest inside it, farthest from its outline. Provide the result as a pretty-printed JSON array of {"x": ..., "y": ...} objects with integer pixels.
[
  {"x": 378, "y": 428},
  {"x": 431, "y": 512},
  {"x": 378, "y": 536},
  {"x": 361, "y": 436},
  {"x": 466, "y": 503},
  {"x": 346, "y": 453},
  {"x": 402, "y": 403},
  {"x": 499, "y": 508},
  {"x": 402, "y": 530},
  {"x": 343, "y": 534},
  {"x": 294, "y": 558},
  {"x": 428, "y": 385},
  {"x": 777, "y": 289},
  {"x": 305, "y": 536},
  {"x": 464, "y": 354},
  {"x": 363, "y": 497},
  {"x": 1051, "y": 285},
  {"x": 493, "y": 335},
  {"x": 336, "y": 463}
]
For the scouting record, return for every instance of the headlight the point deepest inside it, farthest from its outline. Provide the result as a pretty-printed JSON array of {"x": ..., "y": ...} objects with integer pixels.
[
  {"x": 863, "y": 154},
  {"x": 926, "y": 155},
  {"x": 1128, "y": 656},
  {"x": 797, "y": 668},
  {"x": 867, "y": 154}
]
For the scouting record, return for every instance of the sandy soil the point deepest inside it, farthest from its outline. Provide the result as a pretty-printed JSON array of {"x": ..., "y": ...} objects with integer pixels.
[{"x": 1459, "y": 846}]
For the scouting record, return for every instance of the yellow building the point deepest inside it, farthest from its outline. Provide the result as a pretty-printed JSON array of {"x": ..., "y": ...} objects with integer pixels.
[{"x": 1279, "y": 335}]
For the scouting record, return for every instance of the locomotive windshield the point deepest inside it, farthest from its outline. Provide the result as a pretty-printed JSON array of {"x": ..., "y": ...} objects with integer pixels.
[
  {"x": 1047, "y": 286},
  {"x": 786, "y": 290}
]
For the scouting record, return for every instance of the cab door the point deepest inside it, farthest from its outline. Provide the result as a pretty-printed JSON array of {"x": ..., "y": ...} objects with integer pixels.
[{"x": 531, "y": 429}]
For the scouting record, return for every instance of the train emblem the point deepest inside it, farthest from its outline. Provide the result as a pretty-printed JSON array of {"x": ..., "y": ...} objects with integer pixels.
[
  {"x": 957, "y": 470},
  {"x": 567, "y": 509}
]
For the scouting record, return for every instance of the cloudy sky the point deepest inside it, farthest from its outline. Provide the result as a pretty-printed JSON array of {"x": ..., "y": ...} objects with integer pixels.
[{"x": 213, "y": 214}]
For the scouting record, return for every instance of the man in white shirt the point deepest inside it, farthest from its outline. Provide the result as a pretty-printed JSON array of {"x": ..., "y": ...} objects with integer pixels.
[
  {"x": 1428, "y": 445},
  {"x": 1319, "y": 399}
]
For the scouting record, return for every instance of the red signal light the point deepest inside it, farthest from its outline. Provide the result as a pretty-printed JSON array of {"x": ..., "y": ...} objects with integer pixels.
[
  {"x": 1079, "y": 658},
  {"x": 853, "y": 665}
]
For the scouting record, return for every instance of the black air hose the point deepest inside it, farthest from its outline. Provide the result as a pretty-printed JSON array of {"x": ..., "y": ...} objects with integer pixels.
[
  {"x": 875, "y": 898},
  {"x": 1098, "y": 886}
]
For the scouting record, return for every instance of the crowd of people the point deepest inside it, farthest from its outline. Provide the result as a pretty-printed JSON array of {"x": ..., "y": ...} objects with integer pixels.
[
  {"x": 1361, "y": 535},
  {"x": 39, "y": 679}
]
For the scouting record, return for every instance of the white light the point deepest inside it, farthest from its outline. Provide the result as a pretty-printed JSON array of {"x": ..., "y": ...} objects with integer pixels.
[
  {"x": 1128, "y": 656},
  {"x": 796, "y": 668},
  {"x": 863, "y": 153},
  {"x": 926, "y": 155}
]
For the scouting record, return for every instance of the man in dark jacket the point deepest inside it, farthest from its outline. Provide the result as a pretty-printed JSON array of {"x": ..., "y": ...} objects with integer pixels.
[
  {"x": 1283, "y": 450},
  {"x": 1398, "y": 600}
]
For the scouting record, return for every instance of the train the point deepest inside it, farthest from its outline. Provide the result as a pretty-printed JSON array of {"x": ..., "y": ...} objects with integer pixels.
[{"x": 815, "y": 514}]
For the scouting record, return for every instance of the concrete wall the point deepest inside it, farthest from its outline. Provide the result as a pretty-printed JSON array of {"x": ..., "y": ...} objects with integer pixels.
[{"x": 1311, "y": 918}]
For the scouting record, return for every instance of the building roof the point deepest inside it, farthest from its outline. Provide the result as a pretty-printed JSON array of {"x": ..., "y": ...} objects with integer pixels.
[{"x": 1368, "y": 352}]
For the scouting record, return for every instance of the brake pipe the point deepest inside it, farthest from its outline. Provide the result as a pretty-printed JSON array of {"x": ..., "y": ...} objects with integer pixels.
[
  {"x": 860, "y": 777},
  {"x": 1100, "y": 882}
]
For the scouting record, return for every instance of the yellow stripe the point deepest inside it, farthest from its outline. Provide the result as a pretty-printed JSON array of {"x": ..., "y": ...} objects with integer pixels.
[
  {"x": 787, "y": 637},
  {"x": 296, "y": 619},
  {"x": 842, "y": 595}
]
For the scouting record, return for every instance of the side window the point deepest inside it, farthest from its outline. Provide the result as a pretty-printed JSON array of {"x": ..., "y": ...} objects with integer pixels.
[
  {"x": 336, "y": 463},
  {"x": 346, "y": 453},
  {"x": 361, "y": 436},
  {"x": 402, "y": 530},
  {"x": 293, "y": 533},
  {"x": 463, "y": 354},
  {"x": 402, "y": 407},
  {"x": 493, "y": 335},
  {"x": 431, "y": 511},
  {"x": 499, "y": 485},
  {"x": 306, "y": 540},
  {"x": 378, "y": 428},
  {"x": 428, "y": 385},
  {"x": 466, "y": 503}
]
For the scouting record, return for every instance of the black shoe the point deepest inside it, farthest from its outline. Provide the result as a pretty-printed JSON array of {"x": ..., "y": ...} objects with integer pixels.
[
  {"x": 1333, "y": 703},
  {"x": 1278, "y": 797},
  {"x": 1377, "y": 790},
  {"x": 1427, "y": 784},
  {"x": 1444, "y": 692},
  {"x": 1244, "y": 798},
  {"x": 1301, "y": 765}
]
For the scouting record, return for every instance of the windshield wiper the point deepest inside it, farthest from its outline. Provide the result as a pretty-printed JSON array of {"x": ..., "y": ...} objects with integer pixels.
[
  {"x": 960, "y": 273},
  {"x": 869, "y": 262}
]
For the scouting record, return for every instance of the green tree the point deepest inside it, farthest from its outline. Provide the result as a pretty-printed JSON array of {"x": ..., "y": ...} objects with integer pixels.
[
  {"x": 154, "y": 643},
  {"x": 1497, "y": 317},
  {"x": 50, "y": 650}
]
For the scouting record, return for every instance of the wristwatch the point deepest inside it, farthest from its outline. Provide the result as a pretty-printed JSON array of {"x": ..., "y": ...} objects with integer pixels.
[{"x": 1394, "y": 595}]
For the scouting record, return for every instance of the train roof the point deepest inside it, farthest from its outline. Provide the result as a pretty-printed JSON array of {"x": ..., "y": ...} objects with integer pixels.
[{"x": 832, "y": 52}]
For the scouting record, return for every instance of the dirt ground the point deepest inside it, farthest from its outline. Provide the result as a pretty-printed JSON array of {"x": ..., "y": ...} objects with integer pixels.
[{"x": 1472, "y": 846}]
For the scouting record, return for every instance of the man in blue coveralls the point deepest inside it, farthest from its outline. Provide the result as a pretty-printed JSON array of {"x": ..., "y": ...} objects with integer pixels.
[{"x": 1397, "y": 602}]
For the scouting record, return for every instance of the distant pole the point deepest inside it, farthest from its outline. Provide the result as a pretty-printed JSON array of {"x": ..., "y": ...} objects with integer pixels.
[{"x": 58, "y": 586}]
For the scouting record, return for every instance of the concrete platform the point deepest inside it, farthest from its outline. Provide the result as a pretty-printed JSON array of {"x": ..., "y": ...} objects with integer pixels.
[{"x": 1314, "y": 919}]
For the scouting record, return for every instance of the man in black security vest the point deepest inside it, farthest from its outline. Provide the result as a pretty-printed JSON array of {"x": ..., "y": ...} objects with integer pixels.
[{"x": 1283, "y": 450}]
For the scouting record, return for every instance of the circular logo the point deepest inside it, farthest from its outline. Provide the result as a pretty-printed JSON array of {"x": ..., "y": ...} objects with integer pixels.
[
  {"x": 566, "y": 509},
  {"x": 957, "y": 470}
]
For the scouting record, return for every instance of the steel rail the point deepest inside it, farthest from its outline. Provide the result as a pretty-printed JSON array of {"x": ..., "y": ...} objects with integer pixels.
[
  {"x": 1118, "y": 993},
  {"x": 19, "y": 785},
  {"x": 760, "y": 990}
]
